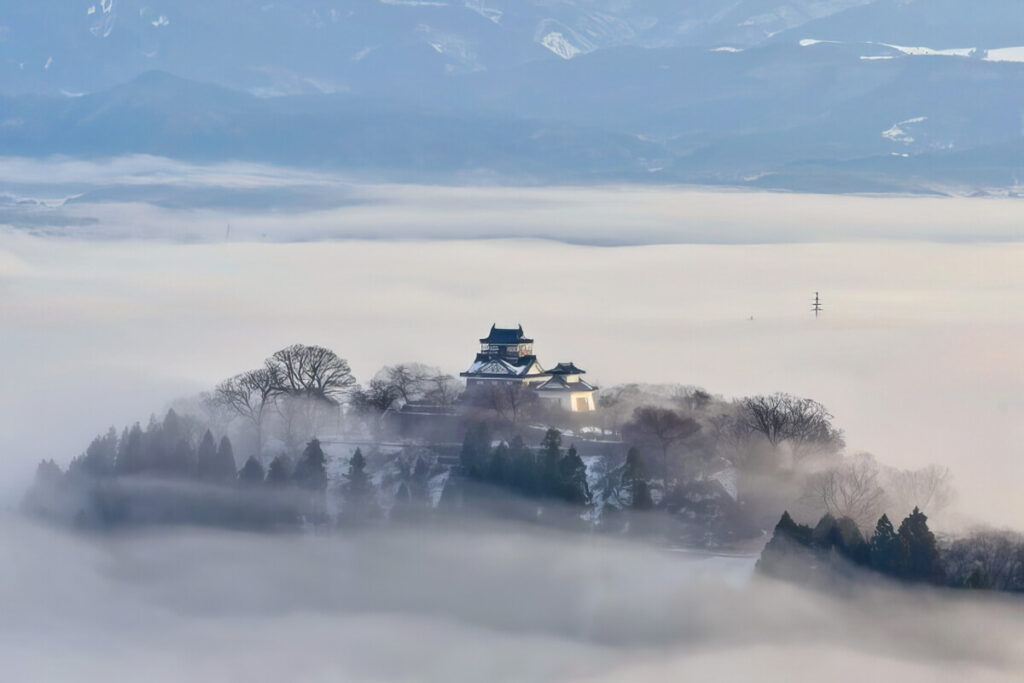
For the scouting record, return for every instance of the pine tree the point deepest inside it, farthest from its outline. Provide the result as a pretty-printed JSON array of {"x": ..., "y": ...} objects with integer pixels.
[
  {"x": 497, "y": 467},
  {"x": 922, "y": 550},
  {"x": 550, "y": 454},
  {"x": 130, "y": 455},
  {"x": 206, "y": 457},
  {"x": 476, "y": 447},
  {"x": 311, "y": 472},
  {"x": 357, "y": 483},
  {"x": 251, "y": 473},
  {"x": 522, "y": 470},
  {"x": 279, "y": 473},
  {"x": 885, "y": 553},
  {"x": 634, "y": 481},
  {"x": 572, "y": 473},
  {"x": 224, "y": 465}
]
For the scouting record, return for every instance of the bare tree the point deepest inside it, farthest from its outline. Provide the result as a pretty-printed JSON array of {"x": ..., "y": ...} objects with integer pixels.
[
  {"x": 442, "y": 389},
  {"x": 661, "y": 427},
  {"x": 410, "y": 380},
  {"x": 805, "y": 424},
  {"x": 851, "y": 489},
  {"x": 250, "y": 394},
  {"x": 928, "y": 488},
  {"x": 511, "y": 402},
  {"x": 312, "y": 371},
  {"x": 374, "y": 401}
]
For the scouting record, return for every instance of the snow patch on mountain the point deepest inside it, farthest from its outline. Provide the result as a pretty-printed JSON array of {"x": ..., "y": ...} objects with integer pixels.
[
  {"x": 898, "y": 134},
  {"x": 479, "y": 6},
  {"x": 1005, "y": 54},
  {"x": 927, "y": 51},
  {"x": 103, "y": 24},
  {"x": 557, "y": 43}
]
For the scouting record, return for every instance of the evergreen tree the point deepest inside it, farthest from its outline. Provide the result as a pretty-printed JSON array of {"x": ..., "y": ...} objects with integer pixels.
[
  {"x": 851, "y": 542},
  {"x": 497, "y": 468},
  {"x": 572, "y": 472},
  {"x": 206, "y": 457},
  {"x": 224, "y": 465},
  {"x": 923, "y": 562},
  {"x": 476, "y": 447},
  {"x": 886, "y": 554},
  {"x": 357, "y": 486},
  {"x": 130, "y": 455},
  {"x": 99, "y": 459},
  {"x": 279, "y": 473},
  {"x": 550, "y": 454},
  {"x": 311, "y": 472},
  {"x": 522, "y": 469},
  {"x": 251, "y": 473},
  {"x": 634, "y": 481},
  {"x": 182, "y": 460}
]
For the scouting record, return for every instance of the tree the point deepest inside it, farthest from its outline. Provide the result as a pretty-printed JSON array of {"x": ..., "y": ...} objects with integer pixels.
[
  {"x": 572, "y": 473},
  {"x": 550, "y": 454},
  {"x": 922, "y": 550},
  {"x": 523, "y": 476},
  {"x": 251, "y": 473},
  {"x": 511, "y": 402},
  {"x": 279, "y": 474},
  {"x": 313, "y": 372},
  {"x": 249, "y": 394},
  {"x": 849, "y": 489},
  {"x": 929, "y": 487},
  {"x": 357, "y": 489},
  {"x": 410, "y": 380},
  {"x": 375, "y": 400},
  {"x": 634, "y": 481},
  {"x": 99, "y": 458},
  {"x": 311, "y": 472},
  {"x": 442, "y": 389},
  {"x": 886, "y": 551},
  {"x": 357, "y": 484},
  {"x": 661, "y": 428},
  {"x": 224, "y": 465},
  {"x": 805, "y": 424},
  {"x": 130, "y": 453},
  {"x": 476, "y": 448},
  {"x": 206, "y": 457},
  {"x": 498, "y": 465}
]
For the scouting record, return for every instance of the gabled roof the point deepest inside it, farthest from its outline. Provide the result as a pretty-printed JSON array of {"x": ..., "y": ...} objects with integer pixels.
[
  {"x": 566, "y": 369},
  {"x": 558, "y": 383},
  {"x": 490, "y": 366},
  {"x": 502, "y": 335}
]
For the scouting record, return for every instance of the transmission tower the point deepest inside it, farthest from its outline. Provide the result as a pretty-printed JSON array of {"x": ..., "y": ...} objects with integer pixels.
[{"x": 816, "y": 306}]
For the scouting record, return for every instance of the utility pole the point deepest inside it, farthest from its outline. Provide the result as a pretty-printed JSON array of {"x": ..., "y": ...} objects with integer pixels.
[{"x": 816, "y": 306}]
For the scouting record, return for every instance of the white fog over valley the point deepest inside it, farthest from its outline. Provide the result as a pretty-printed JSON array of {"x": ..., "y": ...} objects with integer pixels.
[
  {"x": 916, "y": 355},
  {"x": 525, "y": 341}
]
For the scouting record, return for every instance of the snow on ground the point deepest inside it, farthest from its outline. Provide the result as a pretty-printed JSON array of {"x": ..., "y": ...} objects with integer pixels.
[
  {"x": 897, "y": 132},
  {"x": 1005, "y": 54},
  {"x": 560, "y": 45},
  {"x": 927, "y": 51}
]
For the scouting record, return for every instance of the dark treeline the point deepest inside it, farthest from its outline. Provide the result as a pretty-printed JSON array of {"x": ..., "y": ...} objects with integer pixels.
[{"x": 836, "y": 548}]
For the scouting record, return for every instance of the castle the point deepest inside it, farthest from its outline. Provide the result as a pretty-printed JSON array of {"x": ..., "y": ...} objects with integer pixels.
[{"x": 506, "y": 355}]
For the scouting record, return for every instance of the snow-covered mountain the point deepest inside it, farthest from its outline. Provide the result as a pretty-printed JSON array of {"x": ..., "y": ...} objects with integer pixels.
[
  {"x": 287, "y": 46},
  {"x": 811, "y": 94}
]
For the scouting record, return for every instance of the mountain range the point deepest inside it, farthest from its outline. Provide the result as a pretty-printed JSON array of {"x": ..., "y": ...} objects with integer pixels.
[{"x": 821, "y": 95}]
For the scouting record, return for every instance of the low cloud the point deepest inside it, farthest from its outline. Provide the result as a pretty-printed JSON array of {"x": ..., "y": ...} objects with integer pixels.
[{"x": 499, "y": 603}]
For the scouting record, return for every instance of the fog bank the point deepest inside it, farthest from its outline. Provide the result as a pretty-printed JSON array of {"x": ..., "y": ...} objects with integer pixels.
[
  {"x": 917, "y": 353},
  {"x": 497, "y": 604}
]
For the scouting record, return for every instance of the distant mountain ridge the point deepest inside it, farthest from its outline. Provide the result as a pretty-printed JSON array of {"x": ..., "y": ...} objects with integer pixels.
[{"x": 826, "y": 95}]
